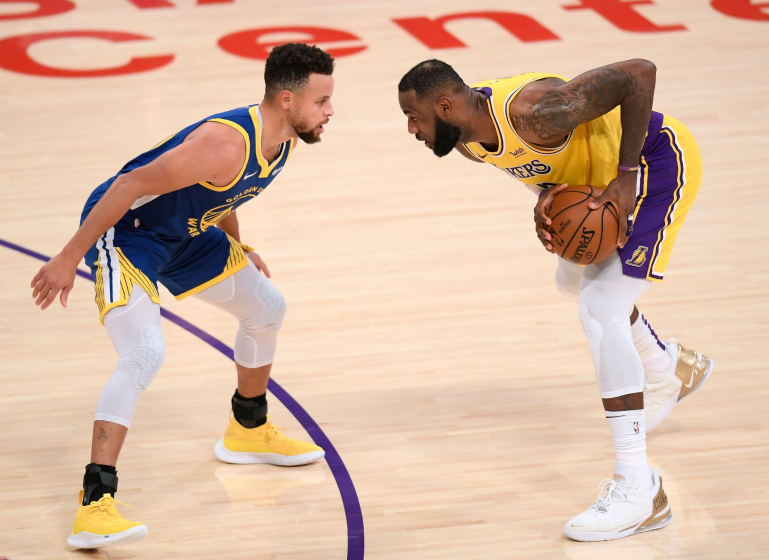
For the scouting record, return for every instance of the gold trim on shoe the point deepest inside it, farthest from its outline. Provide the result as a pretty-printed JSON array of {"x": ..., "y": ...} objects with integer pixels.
[
  {"x": 692, "y": 369},
  {"x": 661, "y": 509}
]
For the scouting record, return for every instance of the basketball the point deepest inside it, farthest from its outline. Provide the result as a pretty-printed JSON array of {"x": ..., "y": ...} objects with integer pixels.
[{"x": 579, "y": 234}]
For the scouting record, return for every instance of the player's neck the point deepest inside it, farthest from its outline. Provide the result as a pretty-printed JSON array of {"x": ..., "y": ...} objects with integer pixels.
[
  {"x": 275, "y": 127},
  {"x": 480, "y": 124}
]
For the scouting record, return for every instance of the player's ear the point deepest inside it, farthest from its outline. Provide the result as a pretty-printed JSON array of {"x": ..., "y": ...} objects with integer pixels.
[
  {"x": 444, "y": 107},
  {"x": 285, "y": 98}
]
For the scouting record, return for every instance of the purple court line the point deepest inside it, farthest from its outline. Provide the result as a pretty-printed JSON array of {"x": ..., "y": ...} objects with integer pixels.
[{"x": 352, "y": 511}]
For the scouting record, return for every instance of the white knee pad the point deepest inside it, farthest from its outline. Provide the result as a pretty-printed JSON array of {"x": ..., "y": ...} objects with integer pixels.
[
  {"x": 135, "y": 333},
  {"x": 149, "y": 357},
  {"x": 257, "y": 338},
  {"x": 259, "y": 307},
  {"x": 606, "y": 300}
]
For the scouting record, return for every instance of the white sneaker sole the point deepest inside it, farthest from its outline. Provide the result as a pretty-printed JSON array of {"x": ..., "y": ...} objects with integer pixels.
[
  {"x": 243, "y": 458},
  {"x": 90, "y": 540},
  {"x": 620, "y": 534}
]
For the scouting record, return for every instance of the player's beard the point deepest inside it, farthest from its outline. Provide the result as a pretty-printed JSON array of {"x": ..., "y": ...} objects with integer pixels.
[
  {"x": 305, "y": 132},
  {"x": 446, "y": 137}
]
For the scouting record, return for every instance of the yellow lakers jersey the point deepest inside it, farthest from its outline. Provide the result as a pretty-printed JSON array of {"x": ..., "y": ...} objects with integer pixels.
[{"x": 588, "y": 156}]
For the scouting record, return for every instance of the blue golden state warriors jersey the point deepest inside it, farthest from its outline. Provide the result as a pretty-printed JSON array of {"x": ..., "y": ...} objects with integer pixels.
[{"x": 190, "y": 211}]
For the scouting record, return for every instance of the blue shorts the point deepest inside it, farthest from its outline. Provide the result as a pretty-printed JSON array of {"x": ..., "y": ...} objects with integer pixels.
[{"x": 128, "y": 254}]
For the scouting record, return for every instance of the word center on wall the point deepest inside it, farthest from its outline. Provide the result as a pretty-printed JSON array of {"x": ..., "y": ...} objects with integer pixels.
[{"x": 256, "y": 44}]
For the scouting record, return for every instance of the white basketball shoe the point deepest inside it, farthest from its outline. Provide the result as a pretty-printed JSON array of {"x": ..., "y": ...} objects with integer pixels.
[
  {"x": 663, "y": 391},
  {"x": 624, "y": 507}
]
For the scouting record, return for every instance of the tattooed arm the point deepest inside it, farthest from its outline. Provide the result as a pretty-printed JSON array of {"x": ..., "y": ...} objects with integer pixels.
[{"x": 550, "y": 109}]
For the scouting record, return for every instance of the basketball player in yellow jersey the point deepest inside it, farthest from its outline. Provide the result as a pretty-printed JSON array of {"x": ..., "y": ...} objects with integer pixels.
[
  {"x": 597, "y": 129},
  {"x": 169, "y": 216}
]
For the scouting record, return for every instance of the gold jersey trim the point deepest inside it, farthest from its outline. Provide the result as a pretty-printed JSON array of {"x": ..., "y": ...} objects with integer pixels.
[
  {"x": 245, "y": 163},
  {"x": 265, "y": 168}
]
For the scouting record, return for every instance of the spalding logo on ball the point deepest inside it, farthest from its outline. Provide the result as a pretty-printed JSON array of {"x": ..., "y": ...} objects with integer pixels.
[{"x": 579, "y": 234}]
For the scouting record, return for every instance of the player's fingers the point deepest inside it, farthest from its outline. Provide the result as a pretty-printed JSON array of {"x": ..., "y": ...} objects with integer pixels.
[
  {"x": 49, "y": 298},
  {"x": 600, "y": 201},
  {"x": 542, "y": 233},
  {"x": 264, "y": 269},
  {"x": 64, "y": 295},
  {"x": 38, "y": 287},
  {"x": 37, "y": 278},
  {"x": 622, "y": 235},
  {"x": 42, "y": 293}
]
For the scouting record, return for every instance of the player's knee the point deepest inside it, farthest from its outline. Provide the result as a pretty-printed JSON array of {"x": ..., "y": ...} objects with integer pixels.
[
  {"x": 148, "y": 358},
  {"x": 273, "y": 307}
]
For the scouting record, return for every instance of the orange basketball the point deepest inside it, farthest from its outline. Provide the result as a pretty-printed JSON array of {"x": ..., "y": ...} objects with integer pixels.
[{"x": 579, "y": 234}]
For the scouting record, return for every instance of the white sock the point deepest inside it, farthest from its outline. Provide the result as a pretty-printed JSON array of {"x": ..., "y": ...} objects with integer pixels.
[
  {"x": 654, "y": 356},
  {"x": 628, "y": 432}
]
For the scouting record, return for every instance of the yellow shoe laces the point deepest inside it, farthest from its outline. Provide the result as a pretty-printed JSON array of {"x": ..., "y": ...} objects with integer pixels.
[
  {"x": 274, "y": 431},
  {"x": 106, "y": 507}
]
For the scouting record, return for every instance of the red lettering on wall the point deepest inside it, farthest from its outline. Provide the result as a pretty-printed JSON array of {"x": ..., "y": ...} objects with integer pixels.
[
  {"x": 247, "y": 44},
  {"x": 14, "y": 55},
  {"x": 146, "y": 4},
  {"x": 433, "y": 34},
  {"x": 622, "y": 14},
  {"x": 44, "y": 8},
  {"x": 742, "y": 9}
]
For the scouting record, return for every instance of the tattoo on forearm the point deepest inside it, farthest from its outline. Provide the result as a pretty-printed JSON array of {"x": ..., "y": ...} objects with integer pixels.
[{"x": 103, "y": 435}]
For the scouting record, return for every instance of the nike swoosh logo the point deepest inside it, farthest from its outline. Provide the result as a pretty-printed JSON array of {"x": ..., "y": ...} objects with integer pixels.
[
  {"x": 688, "y": 385},
  {"x": 483, "y": 156},
  {"x": 252, "y": 174}
]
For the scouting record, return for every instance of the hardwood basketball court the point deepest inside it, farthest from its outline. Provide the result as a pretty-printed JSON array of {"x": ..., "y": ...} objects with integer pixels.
[{"x": 424, "y": 334}]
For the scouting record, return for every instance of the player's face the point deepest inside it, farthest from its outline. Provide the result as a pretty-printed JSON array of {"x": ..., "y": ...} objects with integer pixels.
[
  {"x": 426, "y": 124},
  {"x": 313, "y": 108}
]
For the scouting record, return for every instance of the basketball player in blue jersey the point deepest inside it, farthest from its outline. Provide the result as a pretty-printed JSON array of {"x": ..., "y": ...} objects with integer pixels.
[
  {"x": 170, "y": 216},
  {"x": 597, "y": 129}
]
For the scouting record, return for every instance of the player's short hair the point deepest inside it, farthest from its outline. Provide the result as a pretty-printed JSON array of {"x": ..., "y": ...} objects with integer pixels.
[
  {"x": 431, "y": 78},
  {"x": 289, "y": 67}
]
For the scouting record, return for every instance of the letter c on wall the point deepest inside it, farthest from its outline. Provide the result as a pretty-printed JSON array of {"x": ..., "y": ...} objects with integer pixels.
[{"x": 14, "y": 55}]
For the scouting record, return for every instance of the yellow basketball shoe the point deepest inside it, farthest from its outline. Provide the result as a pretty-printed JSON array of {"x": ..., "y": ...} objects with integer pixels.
[
  {"x": 689, "y": 370},
  {"x": 265, "y": 444},
  {"x": 99, "y": 524}
]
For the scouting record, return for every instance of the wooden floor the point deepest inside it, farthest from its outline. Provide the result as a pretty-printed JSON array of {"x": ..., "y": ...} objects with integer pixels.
[{"x": 424, "y": 333}]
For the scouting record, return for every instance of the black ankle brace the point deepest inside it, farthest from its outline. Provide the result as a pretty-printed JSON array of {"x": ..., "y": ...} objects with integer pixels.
[
  {"x": 98, "y": 480},
  {"x": 250, "y": 413}
]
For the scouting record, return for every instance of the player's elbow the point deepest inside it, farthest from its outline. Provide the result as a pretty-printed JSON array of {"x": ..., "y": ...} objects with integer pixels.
[
  {"x": 127, "y": 185},
  {"x": 644, "y": 68}
]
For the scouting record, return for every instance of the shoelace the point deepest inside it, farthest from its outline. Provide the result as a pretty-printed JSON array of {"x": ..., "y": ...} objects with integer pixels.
[
  {"x": 272, "y": 429},
  {"x": 106, "y": 507},
  {"x": 608, "y": 491}
]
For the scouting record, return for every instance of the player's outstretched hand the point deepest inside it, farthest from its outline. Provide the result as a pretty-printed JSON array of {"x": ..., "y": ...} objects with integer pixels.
[
  {"x": 257, "y": 260},
  {"x": 620, "y": 193},
  {"x": 57, "y": 275},
  {"x": 541, "y": 221}
]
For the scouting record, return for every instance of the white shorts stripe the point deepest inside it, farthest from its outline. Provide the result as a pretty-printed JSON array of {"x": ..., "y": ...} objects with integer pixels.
[{"x": 110, "y": 267}]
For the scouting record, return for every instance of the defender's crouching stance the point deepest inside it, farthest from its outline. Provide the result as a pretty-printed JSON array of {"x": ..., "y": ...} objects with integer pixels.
[{"x": 169, "y": 216}]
